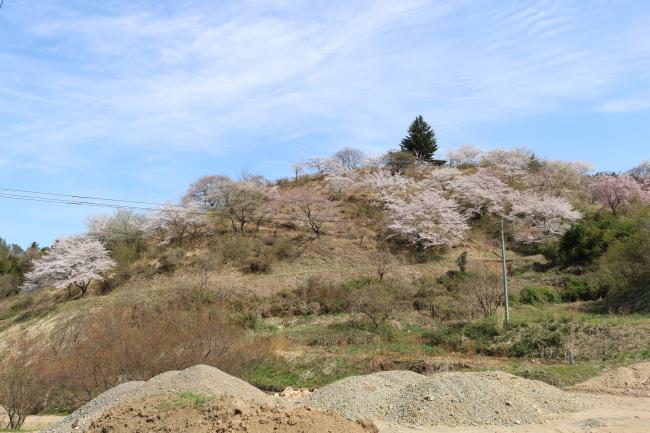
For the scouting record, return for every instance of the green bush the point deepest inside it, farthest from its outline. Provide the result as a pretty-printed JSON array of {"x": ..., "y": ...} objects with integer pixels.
[
  {"x": 578, "y": 289},
  {"x": 589, "y": 238},
  {"x": 539, "y": 295},
  {"x": 540, "y": 340}
]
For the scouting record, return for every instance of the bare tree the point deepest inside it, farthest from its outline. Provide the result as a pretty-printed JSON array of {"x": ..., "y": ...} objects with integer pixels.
[
  {"x": 382, "y": 260},
  {"x": 22, "y": 382},
  {"x": 311, "y": 208},
  {"x": 487, "y": 286}
]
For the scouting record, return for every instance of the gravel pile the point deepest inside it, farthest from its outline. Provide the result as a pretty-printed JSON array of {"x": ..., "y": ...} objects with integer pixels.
[
  {"x": 200, "y": 379},
  {"x": 450, "y": 399}
]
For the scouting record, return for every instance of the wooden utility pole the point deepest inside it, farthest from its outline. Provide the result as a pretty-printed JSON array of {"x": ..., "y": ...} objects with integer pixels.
[{"x": 505, "y": 276}]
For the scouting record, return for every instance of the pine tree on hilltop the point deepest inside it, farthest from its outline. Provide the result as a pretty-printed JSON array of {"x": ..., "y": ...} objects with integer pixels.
[{"x": 421, "y": 140}]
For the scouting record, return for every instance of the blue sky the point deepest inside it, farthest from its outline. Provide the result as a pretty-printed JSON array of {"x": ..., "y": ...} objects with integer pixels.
[{"x": 135, "y": 99}]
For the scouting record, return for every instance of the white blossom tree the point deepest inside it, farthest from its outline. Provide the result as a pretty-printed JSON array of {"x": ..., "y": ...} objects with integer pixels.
[
  {"x": 509, "y": 163},
  {"x": 341, "y": 182},
  {"x": 387, "y": 186},
  {"x": 243, "y": 201},
  {"x": 537, "y": 218},
  {"x": 321, "y": 165},
  {"x": 465, "y": 156},
  {"x": 479, "y": 194},
  {"x": 72, "y": 261},
  {"x": 174, "y": 223},
  {"x": 426, "y": 219},
  {"x": 350, "y": 158},
  {"x": 124, "y": 225}
]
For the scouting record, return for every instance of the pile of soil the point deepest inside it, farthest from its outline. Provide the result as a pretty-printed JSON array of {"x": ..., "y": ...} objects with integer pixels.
[
  {"x": 452, "y": 399},
  {"x": 633, "y": 380},
  {"x": 200, "y": 379},
  {"x": 172, "y": 414}
]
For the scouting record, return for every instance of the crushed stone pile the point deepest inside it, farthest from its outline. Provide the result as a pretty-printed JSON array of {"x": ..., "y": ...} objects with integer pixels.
[
  {"x": 452, "y": 399},
  {"x": 199, "y": 379},
  {"x": 633, "y": 380},
  {"x": 226, "y": 414}
]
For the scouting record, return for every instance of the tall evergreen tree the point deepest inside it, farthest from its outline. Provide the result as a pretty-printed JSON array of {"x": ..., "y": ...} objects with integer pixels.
[{"x": 421, "y": 140}]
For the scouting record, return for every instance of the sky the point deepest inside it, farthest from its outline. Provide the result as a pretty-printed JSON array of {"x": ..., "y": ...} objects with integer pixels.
[{"x": 135, "y": 99}]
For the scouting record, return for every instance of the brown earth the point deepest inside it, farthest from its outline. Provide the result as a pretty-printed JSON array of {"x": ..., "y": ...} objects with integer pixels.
[
  {"x": 171, "y": 414},
  {"x": 631, "y": 380}
]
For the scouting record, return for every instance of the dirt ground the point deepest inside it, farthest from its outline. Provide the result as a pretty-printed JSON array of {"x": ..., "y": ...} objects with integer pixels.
[
  {"x": 171, "y": 414},
  {"x": 606, "y": 414}
]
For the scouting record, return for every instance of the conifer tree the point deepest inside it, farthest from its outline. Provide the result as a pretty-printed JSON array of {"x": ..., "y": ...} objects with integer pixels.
[{"x": 421, "y": 140}]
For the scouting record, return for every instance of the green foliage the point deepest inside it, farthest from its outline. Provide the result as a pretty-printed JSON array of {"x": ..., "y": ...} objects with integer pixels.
[
  {"x": 625, "y": 273},
  {"x": 581, "y": 289},
  {"x": 399, "y": 162},
  {"x": 461, "y": 262},
  {"x": 589, "y": 238},
  {"x": 538, "y": 340},
  {"x": 420, "y": 141},
  {"x": 539, "y": 295}
]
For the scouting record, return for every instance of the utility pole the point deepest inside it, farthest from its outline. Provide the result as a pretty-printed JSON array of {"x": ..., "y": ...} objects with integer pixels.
[{"x": 505, "y": 276}]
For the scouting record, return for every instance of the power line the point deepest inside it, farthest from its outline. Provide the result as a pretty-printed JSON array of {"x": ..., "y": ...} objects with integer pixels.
[
  {"x": 114, "y": 205},
  {"x": 88, "y": 197}
]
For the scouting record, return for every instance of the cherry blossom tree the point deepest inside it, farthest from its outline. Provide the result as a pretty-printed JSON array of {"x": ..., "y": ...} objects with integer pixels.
[
  {"x": 537, "y": 218},
  {"x": 243, "y": 201},
  {"x": 72, "y": 261},
  {"x": 615, "y": 192},
  {"x": 465, "y": 156},
  {"x": 479, "y": 194},
  {"x": 321, "y": 165},
  {"x": 173, "y": 223},
  {"x": 440, "y": 179},
  {"x": 341, "y": 182},
  {"x": 386, "y": 186},
  {"x": 510, "y": 163},
  {"x": 641, "y": 171},
  {"x": 123, "y": 226},
  {"x": 559, "y": 177},
  {"x": 427, "y": 219},
  {"x": 350, "y": 158}
]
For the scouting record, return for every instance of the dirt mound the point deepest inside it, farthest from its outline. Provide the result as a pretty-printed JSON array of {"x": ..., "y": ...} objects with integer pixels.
[
  {"x": 200, "y": 379},
  {"x": 171, "y": 414},
  {"x": 451, "y": 399},
  {"x": 633, "y": 380}
]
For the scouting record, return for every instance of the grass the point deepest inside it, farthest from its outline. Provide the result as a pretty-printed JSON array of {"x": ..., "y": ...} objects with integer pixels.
[
  {"x": 182, "y": 400},
  {"x": 561, "y": 375}
]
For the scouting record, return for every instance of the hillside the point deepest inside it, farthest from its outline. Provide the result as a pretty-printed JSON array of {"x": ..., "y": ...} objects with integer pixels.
[{"x": 352, "y": 266}]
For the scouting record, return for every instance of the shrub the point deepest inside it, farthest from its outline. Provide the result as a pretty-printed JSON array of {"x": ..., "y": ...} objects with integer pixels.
[
  {"x": 257, "y": 265},
  {"x": 540, "y": 340},
  {"x": 23, "y": 381},
  {"x": 539, "y": 295},
  {"x": 376, "y": 301},
  {"x": 577, "y": 289}
]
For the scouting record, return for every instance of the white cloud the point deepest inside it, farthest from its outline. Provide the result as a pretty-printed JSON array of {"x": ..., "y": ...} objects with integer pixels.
[{"x": 198, "y": 76}]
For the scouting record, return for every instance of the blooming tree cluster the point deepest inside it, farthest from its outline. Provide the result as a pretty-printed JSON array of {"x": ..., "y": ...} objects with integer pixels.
[
  {"x": 387, "y": 186},
  {"x": 558, "y": 177},
  {"x": 480, "y": 194},
  {"x": 173, "y": 223},
  {"x": 124, "y": 225},
  {"x": 72, "y": 261},
  {"x": 464, "y": 156},
  {"x": 241, "y": 201},
  {"x": 511, "y": 163},
  {"x": 341, "y": 182},
  {"x": 615, "y": 192},
  {"x": 427, "y": 219},
  {"x": 537, "y": 218}
]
